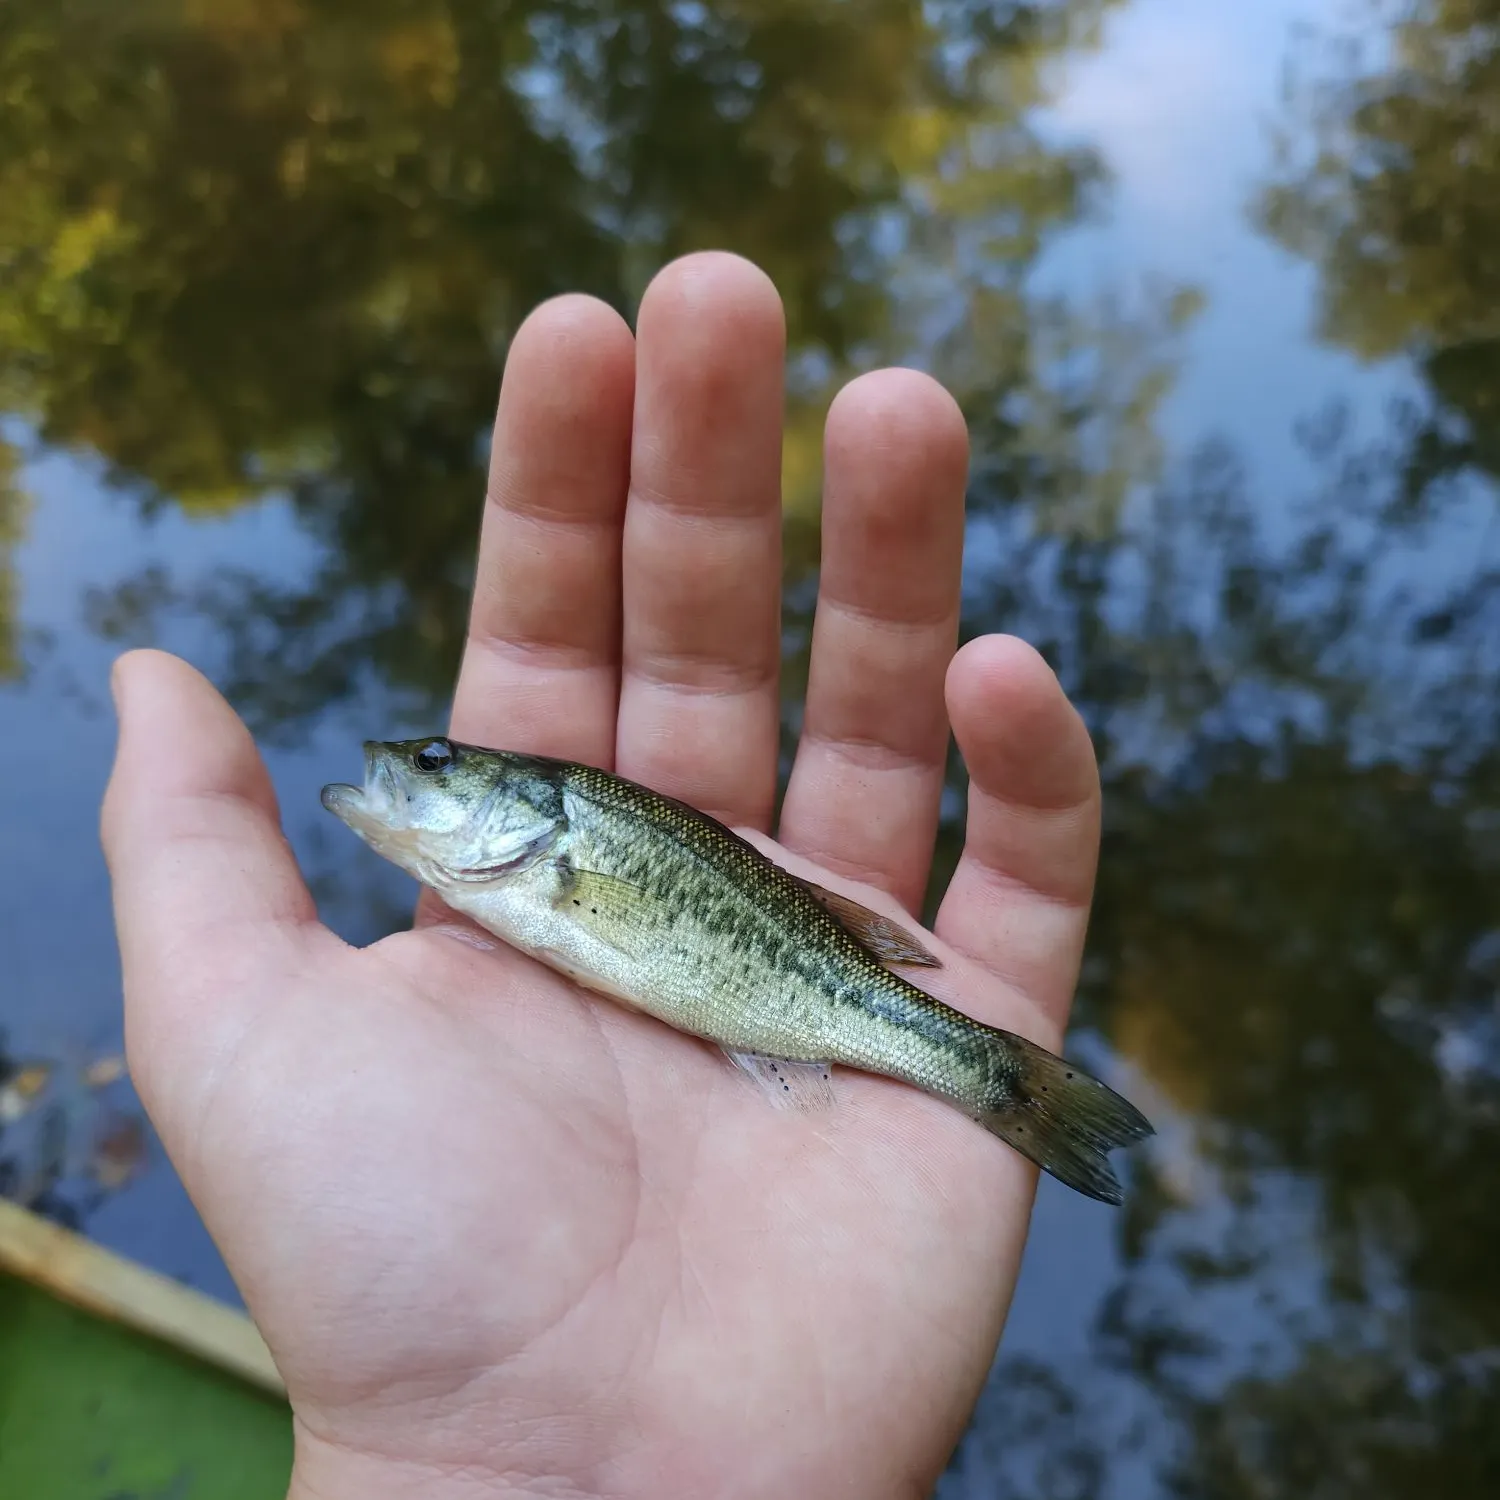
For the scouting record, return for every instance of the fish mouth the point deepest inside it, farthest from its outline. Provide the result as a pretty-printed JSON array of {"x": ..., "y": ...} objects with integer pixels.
[
  {"x": 374, "y": 803},
  {"x": 341, "y": 799}
]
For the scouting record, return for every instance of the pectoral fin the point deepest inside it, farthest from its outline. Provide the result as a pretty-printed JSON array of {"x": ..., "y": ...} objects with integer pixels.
[
  {"x": 889, "y": 942},
  {"x": 605, "y": 904}
]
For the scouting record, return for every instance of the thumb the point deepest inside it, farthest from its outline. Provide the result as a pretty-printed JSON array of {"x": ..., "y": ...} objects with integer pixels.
[{"x": 206, "y": 891}]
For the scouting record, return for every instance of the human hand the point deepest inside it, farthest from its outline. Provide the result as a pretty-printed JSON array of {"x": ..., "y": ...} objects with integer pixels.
[{"x": 505, "y": 1237}]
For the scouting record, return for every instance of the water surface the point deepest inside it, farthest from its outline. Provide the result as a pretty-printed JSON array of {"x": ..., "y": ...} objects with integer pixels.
[{"x": 1217, "y": 294}]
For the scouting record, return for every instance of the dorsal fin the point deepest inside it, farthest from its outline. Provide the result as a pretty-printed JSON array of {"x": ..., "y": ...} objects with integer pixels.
[{"x": 888, "y": 941}]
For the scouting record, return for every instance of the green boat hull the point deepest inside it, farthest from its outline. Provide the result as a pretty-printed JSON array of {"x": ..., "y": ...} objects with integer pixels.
[{"x": 92, "y": 1409}]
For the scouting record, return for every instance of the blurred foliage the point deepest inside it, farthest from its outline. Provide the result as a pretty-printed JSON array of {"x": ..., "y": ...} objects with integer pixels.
[
  {"x": 280, "y": 247},
  {"x": 1390, "y": 183},
  {"x": 1387, "y": 189},
  {"x": 1357, "y": 1416}
]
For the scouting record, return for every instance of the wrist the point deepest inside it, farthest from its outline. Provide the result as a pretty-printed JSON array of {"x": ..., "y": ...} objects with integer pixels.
[{"x": 325, "y": 1471}]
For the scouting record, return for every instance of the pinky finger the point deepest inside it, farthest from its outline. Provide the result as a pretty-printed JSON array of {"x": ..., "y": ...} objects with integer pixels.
[{"x": 1019, "y": 899}]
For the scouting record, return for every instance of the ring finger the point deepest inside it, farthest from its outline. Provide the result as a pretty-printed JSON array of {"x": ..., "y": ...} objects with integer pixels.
[{"x": 868, "y": 776}]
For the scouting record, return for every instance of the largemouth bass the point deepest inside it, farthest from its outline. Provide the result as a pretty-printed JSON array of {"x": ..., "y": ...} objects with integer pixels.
[{"x": 663, "y": 908}]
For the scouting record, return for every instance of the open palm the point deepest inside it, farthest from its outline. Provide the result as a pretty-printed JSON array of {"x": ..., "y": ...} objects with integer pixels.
[{"x": 505, "y": 1237}]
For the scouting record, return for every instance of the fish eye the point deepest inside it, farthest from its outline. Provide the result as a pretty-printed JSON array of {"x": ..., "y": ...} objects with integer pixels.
[{"x": 435, "y": 755}]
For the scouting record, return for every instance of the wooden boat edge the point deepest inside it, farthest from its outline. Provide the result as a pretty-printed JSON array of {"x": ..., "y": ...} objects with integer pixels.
[{"x": 76, "y": 1270}]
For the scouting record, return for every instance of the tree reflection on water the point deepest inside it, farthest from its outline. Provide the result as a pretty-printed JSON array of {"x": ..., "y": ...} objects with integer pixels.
[
  {"x": 262, "y": 249},
  {"x": 269, "y": 249}
]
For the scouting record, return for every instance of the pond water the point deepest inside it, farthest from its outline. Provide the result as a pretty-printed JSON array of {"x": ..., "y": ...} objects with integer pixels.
[{"x": 1216, "y": 285}]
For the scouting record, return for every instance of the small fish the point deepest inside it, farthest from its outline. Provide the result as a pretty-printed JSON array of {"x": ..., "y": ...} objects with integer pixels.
[{"x": 663, "y": 908}]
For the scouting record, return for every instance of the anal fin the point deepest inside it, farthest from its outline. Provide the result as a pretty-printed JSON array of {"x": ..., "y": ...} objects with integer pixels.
[{"x": 789, "y": 1085}]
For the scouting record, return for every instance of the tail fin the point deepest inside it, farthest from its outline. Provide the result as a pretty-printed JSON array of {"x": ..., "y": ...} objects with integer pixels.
[{"x": 1065, "y": 1120}]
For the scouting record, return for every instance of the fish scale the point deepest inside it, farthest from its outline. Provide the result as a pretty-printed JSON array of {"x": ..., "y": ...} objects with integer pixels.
[{"x": 797, "y": 938}]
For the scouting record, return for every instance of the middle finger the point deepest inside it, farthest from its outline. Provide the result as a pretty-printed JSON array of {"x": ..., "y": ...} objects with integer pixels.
[{"x": 702, "y": 545}]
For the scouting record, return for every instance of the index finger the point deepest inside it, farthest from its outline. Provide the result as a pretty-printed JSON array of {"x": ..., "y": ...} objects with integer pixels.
[{"x": 540, "y": 671}]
